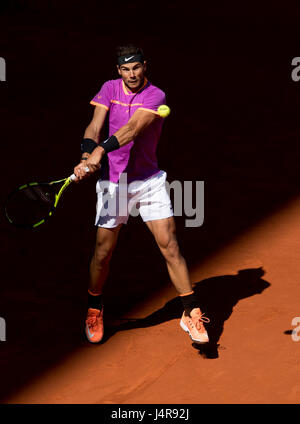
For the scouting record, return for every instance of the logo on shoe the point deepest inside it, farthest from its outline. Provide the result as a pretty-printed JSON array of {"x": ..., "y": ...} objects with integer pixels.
[{"x": 89, "y": 333}]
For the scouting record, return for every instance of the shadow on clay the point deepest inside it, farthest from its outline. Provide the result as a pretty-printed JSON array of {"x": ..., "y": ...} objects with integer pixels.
[{"x": 217, "y": 297}]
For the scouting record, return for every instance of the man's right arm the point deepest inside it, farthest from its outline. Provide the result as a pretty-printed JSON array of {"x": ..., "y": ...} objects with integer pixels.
[
  {"x": 94, "y": 128},
  {"x": 92, "y": 131}
]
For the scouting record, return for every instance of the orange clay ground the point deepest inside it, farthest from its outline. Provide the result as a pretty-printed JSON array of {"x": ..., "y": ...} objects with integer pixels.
[{"x": 250, "y": 290}]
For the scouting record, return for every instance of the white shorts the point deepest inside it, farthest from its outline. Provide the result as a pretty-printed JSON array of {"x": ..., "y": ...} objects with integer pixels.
[{"x": 116, "y": 201}]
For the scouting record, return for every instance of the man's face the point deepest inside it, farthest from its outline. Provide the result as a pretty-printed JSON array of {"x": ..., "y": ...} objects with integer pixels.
[{"x": 132, "y": 74}]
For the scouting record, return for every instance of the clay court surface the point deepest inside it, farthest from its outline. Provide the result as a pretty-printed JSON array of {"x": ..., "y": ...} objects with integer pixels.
[
  {"x": 240, "y": 135},
  {"x": 249, "y": 290}
]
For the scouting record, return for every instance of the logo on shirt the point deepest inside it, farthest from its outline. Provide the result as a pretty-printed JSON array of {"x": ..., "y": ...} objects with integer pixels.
[{"x": 128, "y": 58}]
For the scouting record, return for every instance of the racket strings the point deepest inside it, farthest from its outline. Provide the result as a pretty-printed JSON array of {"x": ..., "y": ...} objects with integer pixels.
[{"x": 37, "y": 193}]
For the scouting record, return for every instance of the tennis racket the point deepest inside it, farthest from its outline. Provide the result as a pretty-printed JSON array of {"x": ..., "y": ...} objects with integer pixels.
[{"x": 31, "y": 204}]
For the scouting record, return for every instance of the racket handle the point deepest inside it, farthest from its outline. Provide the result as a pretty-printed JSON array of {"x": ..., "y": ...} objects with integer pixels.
[{"x": 73, "y": 176}]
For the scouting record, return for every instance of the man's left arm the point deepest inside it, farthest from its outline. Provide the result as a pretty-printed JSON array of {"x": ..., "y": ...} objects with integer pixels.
[{"x": 140, "y": 120}]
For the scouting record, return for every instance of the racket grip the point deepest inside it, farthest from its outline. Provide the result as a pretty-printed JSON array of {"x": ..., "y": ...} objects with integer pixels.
[{"x": 73, "y": 176}]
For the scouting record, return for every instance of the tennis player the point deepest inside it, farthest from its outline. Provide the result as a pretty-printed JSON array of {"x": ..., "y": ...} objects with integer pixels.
[{"x": 129, "y": 171}]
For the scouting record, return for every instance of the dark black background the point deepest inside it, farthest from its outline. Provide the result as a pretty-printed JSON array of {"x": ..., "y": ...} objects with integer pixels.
[{"x": 226, "y": 69}]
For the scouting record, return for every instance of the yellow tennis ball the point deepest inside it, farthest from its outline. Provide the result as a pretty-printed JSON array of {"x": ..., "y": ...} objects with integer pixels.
[{"x": 164, "y": 111}]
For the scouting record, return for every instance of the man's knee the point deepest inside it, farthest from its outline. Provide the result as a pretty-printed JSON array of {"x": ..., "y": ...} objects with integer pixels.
[
  {"x": 102, "y": 255},
  {"x": 169, "y": 248},
  {"x": 105, "y": 245},
  {"x": 103, "y": 251}
]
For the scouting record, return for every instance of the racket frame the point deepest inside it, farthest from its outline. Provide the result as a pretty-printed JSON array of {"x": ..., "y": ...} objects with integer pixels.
[{"x": 67, "y": 181}]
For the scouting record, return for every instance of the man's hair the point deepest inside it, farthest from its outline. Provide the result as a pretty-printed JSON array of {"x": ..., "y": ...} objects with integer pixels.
[{"x": 128, "y": 49}]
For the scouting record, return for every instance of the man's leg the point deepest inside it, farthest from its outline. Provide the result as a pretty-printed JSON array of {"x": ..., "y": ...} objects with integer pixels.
[
  {"x": 164, "y": 231},
  {"x": 106, "y": 241}
]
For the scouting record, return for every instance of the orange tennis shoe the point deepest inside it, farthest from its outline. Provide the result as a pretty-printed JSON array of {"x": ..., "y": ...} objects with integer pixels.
[
  {"x": 94, "y": 328},
  {"x": 193, "y": 325}
]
